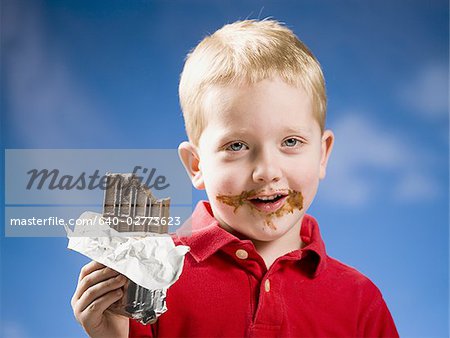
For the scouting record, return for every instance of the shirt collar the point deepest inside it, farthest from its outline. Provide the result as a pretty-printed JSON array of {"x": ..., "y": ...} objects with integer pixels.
[{"x": 203, "y": 234}]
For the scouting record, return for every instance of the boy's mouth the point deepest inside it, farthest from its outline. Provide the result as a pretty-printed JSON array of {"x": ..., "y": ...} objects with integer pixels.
[
  {"x": 271, "y": 205},
  {"x": 268, "y": 203}
]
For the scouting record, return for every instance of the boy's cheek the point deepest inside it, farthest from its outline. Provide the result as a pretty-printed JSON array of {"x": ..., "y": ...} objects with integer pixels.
[
  {"x": 303, "y": 173},
  {"x": 221, "y": 179}
]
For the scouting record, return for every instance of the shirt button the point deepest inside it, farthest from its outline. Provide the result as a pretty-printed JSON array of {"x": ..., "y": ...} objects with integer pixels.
[
  {"x": 241, "y": 254},
  {"x": 267, "y": 285}
]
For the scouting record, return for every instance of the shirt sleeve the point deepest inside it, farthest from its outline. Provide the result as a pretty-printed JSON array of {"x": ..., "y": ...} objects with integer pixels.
[
  {"x": 378, "y": 322},
  {"x": 138, "y": 330}
]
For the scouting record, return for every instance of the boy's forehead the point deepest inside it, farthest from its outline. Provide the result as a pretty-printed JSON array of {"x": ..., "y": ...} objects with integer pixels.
[
  {"x": 238, "y": 88},
  {"x": 220, "y": 99}
]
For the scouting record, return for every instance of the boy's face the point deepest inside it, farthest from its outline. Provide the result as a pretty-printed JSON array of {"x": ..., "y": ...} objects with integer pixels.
[{"x": 260, "y": 158}]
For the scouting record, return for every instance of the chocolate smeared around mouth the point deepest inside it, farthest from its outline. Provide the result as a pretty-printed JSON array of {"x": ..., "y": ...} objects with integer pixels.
[{"x": 293, "y": 201}]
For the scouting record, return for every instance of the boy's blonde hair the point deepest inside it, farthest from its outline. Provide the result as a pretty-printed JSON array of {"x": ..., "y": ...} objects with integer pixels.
[{"x": 246, "y": 52}]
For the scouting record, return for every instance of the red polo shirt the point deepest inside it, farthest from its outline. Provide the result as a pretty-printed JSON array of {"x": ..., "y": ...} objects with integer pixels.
[{"x": 226, "y": 290}]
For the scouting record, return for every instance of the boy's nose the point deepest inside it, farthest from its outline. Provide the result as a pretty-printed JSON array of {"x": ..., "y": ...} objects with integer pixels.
[{"x": 266, "y": 169}]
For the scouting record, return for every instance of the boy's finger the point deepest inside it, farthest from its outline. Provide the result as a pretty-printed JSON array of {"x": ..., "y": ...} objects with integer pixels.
[
  {"x": 98, "y": 290},
  {"x": 93, "y": 278},
  {"x": 88, "y": 268},
  {"x": 92, "y": 313}
]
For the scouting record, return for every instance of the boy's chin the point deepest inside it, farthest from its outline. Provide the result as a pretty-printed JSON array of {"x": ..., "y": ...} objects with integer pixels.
[
  {"x": 263, "y": 232},
  {"x": 259, "y": 227},
  {"x": 268, "y": 235}
]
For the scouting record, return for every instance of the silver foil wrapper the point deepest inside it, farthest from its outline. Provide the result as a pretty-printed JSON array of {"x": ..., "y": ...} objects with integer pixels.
[
  {"x": 141, "y": 304},
  {"x": 130, "y": 203}
]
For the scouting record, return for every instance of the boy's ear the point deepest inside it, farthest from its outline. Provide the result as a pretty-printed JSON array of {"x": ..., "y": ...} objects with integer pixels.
[
  {"x": 191, "y": 160},
  {"x": 326, "y": 148}
]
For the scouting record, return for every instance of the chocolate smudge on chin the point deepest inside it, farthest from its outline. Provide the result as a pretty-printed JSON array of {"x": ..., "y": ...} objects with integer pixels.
[{"x": 293, "y": 201}]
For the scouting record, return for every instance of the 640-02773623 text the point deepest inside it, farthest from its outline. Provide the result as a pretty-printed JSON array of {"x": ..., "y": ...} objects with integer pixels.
[{"x": 59, "y": 221}]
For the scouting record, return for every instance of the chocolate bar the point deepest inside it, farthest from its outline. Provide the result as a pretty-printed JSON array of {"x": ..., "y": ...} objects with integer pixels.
[{"x": 129, "y": 206}]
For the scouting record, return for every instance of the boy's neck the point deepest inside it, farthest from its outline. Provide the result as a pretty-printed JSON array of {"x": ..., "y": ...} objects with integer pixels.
[{"x": 271, "y": 250}]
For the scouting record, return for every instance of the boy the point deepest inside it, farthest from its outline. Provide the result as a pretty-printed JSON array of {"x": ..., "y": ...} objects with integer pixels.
[{"x": 254, "y": 103}]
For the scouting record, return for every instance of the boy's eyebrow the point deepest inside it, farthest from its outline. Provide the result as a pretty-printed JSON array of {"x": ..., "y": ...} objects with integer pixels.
[
  {"x": 244, "y": 131},
  {"x": 297, "y": 129},
  {"x": 234, "y": 133}
]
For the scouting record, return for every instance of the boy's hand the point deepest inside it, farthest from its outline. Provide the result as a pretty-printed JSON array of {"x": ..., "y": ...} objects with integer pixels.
[{"x": 99, "y": 287}]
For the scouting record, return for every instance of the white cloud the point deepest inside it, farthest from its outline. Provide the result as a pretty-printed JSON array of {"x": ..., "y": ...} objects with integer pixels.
[
  {"x": 412, "y": 187},
  {"x": 44, "y": 102},
  {"x": 427, "y": 93},
  {"x": 12, "y": 330},
  {"x": 370, "y": 161}
]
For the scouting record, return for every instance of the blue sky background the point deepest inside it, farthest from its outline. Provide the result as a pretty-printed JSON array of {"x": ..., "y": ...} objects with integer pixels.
[{"x": 95, "y": 74}]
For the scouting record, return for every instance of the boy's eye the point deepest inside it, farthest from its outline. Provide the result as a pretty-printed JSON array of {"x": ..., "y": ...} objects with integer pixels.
[
  {"x": 236, "y": 146},
  {"x": 291, "y": 142}
]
